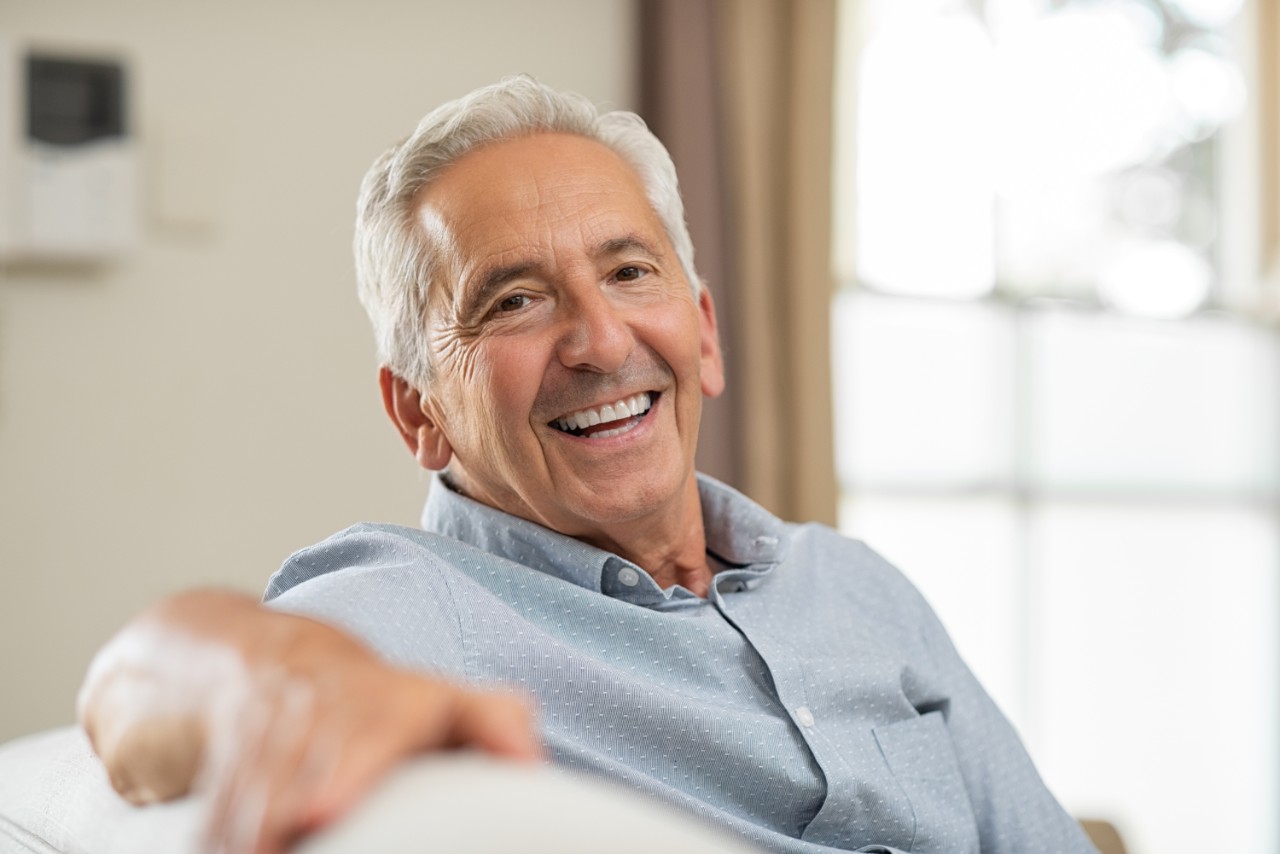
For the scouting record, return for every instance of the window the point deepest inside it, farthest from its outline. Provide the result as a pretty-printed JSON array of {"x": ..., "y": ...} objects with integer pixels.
[{"x": 1057, "y": 391}]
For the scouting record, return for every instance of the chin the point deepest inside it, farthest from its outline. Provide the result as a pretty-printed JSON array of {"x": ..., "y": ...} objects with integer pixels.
[{"x": 629, "y": 503}]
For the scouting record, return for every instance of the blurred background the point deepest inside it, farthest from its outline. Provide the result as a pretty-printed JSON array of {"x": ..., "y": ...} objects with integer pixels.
[
  {"x": 996, "y": 278},
  {"x": 1057, "y": 379}
]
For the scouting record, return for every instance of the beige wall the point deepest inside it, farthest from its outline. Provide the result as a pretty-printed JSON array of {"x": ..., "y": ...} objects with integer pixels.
[{"x": 192, "y": 414}]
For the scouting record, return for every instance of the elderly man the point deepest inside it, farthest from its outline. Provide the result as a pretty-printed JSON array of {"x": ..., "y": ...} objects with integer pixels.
[{"x": 546, "y": 345}]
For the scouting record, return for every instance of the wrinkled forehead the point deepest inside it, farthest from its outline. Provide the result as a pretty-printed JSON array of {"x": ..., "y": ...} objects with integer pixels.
[{"x": 528, "y": 200}]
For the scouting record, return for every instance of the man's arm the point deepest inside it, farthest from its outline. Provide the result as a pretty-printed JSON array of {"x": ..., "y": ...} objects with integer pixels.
[
  {"x": 1014, "y": 809},
  {"x": 284, "y": 721}
]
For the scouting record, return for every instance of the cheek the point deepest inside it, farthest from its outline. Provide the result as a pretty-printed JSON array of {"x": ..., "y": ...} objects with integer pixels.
[
  {"x": 678, "y": 342},
  {"x": 501, "y": 387}
]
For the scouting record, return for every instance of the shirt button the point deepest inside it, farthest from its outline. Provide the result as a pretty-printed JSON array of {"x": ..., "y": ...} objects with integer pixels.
[
  {"x": 628, "y": 576},
  {"x": 804, "y": 716}
]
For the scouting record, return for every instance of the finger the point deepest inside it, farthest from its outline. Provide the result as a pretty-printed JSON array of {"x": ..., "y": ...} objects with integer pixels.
[
  {"x": 500, "y": 724},
  {"x": 261, "y": 793},
  {"x": 371, "y": 743},
  {"x": 298, "y": 784},
  {"x": 288, "y": 775},
  {"x": 239, "y": 831},
  {"x": 429, "y": 715},
  {"x": 228, "y": 776}
]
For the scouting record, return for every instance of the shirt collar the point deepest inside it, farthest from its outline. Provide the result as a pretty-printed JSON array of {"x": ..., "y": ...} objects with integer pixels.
[{"x": 739, "y": 532}]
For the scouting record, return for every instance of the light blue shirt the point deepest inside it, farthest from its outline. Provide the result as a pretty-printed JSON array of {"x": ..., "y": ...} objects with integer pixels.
[{"x": 811, "y": 702}]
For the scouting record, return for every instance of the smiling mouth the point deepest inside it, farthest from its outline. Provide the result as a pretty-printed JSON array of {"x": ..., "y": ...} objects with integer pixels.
[{"x": 612, "y": 419}]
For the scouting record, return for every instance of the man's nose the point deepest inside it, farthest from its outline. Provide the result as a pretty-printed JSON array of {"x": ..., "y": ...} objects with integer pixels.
[{"x": 595, "y": 336}]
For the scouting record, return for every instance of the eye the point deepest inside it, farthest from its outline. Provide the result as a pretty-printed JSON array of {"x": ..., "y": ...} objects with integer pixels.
[
  {"x": 629, "y": 274},
  {"x": 511, "y": 303}
]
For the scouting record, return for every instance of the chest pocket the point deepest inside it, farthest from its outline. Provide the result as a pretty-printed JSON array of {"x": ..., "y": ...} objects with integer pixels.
[{"x": 919, "y": 753}]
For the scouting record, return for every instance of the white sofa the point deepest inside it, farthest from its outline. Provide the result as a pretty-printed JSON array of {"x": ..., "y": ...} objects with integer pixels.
[{"x": 55, "y": 799}]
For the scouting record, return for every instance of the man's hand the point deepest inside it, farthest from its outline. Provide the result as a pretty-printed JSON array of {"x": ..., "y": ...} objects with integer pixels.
[{"x": 282, "y": 721}]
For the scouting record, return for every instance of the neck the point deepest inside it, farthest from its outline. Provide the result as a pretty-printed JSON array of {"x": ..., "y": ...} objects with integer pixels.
[
  {"x": 670, "y": 544},
  {"x": 672, "y": 549}
]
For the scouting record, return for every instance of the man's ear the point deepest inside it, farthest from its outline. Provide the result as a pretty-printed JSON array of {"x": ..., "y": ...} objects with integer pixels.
[
  {"x": 423, "y": 436},
  {"x": 712, "y": 359}
]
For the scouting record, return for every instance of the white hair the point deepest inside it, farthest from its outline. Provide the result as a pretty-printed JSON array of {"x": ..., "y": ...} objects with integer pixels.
[{"x": 396, "y": 260}]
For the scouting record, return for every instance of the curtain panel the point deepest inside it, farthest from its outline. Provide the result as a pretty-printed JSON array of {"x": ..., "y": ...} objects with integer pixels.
[
  {"x": 741, "y": 93},
  {"x": 1268, "y": 94}
]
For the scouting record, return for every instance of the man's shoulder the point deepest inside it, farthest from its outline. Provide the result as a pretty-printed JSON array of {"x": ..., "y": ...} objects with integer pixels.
[
  {"x": 834, "y": 548},
  {"x": 842, "y": 560},
  {"x": 369, "y": 547},
  {"x": 390, "y": 586}
]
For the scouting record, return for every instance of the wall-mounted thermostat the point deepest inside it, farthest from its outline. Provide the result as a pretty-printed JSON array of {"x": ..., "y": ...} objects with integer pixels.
[{"x": 68, "y": 155}]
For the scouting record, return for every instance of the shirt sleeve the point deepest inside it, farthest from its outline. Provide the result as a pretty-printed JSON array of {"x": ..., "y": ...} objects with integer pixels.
[{"x": 387, "y": 589}]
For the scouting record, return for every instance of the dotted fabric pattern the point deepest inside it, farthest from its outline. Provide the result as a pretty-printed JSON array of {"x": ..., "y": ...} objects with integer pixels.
[{"x": 812, "y": 702}]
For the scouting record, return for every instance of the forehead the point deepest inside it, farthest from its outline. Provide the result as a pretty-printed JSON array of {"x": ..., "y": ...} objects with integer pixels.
[{"x": 534, "y": 195}]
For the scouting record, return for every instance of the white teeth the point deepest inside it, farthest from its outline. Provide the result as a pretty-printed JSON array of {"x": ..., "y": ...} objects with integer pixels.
[{"x": 629, "y": 407}]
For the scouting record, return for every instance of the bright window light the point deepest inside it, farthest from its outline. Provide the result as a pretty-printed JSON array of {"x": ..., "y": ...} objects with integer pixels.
[
  {"x": 925, "y": 81},
  {"x": 1048, "y": 413}
]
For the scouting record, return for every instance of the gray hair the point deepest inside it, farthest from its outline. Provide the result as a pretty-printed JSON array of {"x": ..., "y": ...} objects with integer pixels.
[{"x": 396, "y": 260}]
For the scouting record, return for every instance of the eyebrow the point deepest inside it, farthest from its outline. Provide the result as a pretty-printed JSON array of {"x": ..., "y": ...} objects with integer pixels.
[
  {"x": 494, "y": 279},
  {"x": 628, "y": 243}
]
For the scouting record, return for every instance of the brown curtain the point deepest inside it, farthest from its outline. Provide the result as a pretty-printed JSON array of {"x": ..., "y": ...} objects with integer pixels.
[
  {"x": 1268, "y": 94},
  {"x": 740, "y": 91}
]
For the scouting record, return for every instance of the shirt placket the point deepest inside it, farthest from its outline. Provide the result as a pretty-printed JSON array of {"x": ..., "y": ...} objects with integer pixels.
[{"x": 848, "y": 781}]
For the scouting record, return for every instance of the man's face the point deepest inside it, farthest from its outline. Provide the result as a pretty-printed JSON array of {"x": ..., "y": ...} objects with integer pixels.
[{"x": 562, "y": 304}]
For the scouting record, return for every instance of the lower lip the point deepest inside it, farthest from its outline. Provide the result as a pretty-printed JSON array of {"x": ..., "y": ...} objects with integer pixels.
[{"x": 617, "y": 431}]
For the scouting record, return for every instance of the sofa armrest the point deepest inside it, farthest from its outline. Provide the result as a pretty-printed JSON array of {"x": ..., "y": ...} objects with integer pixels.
[{"x": 55, "y": 799}]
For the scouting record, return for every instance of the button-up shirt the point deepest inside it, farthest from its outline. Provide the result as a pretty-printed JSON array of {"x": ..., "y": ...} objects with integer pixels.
[{"x": 811, "y": 702}]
